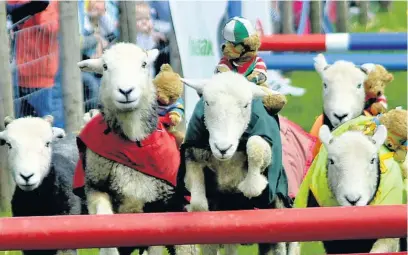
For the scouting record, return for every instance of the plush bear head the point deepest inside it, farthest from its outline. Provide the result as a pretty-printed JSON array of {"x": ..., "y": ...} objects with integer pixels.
[
  {"x": 395, "y": 121},
  {"x": 169, "y": 87},
  {"x": 376, "y": 82},
  {"x": 242, "y": 41}
]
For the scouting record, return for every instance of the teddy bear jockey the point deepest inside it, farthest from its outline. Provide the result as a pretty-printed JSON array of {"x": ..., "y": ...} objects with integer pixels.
[
  {"x": 377, "y": 81},
  {"x": 240, "y": 54},
  {"x": 170, "y": 104}
]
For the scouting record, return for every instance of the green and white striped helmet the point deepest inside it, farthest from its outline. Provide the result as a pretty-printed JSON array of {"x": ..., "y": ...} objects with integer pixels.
[{"x": 237, "y": 29}]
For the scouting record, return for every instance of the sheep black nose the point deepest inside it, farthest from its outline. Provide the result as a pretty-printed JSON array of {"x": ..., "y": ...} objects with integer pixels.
[
  {"x": 125, "y": 92},
  {"x": 224, "y": 150},
  {"x": 353, "y": 201},
  {"x": 379, "y": 93},
  {"x": 26, "y": 177},
  {"x": 340, "y": 117}
]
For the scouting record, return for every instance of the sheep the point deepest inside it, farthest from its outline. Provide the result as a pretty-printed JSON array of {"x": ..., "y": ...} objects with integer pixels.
[
  {"x": 228, "y": 157},
  {"x": 128, "y": 117},
  {"x": 42, "y": 160},
  {"x": 343, "y": 93},
  {"x": 353, "y": 169}
]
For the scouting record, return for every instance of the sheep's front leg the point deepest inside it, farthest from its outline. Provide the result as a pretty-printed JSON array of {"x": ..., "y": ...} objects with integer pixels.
[
  {"x": 385, "y": 245},
  {"x": 195, "y": 183},
  {"x": 259, "y": 157},
  {"x": 210, "y": 249},
  {"x": 231, "y": 249},
  {"x": 66, "y": 252},
  {"x": 100, "y": 203}
]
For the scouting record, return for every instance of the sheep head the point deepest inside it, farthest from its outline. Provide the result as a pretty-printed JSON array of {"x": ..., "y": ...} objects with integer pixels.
[
  {"x": 126, "y": 75},
  {"x": 343, "y": 89},
  {"x": 352, "y": 164},
  {"x": 28, "y": 141},
  {"x": 227, "y": 109}
]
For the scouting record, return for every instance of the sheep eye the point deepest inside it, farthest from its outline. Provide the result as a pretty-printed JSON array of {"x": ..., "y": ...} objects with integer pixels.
[
  {"x": 359, "y": 86},
  {"x": 325, "y": 85},
  {"x": 331, "y": 161},
  {"x": 372, "y": 161},
  {"x": 207, "y": 103},
  {"x": 48, "y": 144},
  {"x": 144, "y": 64},
  {"x": 246, "y": 106},
  {"x": 9, "y": 145},
  {"x": 105, "y": 67}
]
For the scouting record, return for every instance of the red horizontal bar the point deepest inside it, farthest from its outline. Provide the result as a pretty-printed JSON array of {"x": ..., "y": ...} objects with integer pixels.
[
  {"x": 312, "y": 42},
  {"x": 251, "y": 226}
]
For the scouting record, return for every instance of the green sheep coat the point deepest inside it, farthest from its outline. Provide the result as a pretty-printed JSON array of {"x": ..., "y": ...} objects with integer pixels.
[{"x": 261, "y": 124}]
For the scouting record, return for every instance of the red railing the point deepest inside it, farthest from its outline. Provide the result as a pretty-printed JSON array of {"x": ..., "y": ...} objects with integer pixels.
[{"x": 312, "y": 224}]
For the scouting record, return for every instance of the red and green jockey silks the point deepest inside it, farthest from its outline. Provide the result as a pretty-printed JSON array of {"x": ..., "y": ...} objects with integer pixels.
[{"x": 157, "y": 155}]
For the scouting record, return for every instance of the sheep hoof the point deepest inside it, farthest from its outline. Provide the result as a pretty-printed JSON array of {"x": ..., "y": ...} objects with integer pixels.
[
  {"x": 108, "y": 251},
  {"x": 198, "y": 204},
  {"x": 253, "y": 185}
]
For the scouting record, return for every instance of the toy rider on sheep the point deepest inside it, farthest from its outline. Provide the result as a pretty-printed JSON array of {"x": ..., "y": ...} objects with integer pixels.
[{"x": 241, "y": 55}]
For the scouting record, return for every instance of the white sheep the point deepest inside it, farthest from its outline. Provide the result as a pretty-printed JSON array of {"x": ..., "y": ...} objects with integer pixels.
[
  {"x": 343, "y": 93},
  {"x": 353, "y": 169},
  {"x": 128, "y": 101},
  {"x": 42, "y": 160},
  {"x": 354, "y": 176},
  {"x": 343, "y": 89},
  {"x": 229, "y": 153}
]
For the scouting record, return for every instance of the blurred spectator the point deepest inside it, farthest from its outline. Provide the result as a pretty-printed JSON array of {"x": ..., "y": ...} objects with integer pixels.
[
  {"x": 152, "y": 31},
  {"x": 36, "y": 53},
  {"x": 98, "y": 31}
]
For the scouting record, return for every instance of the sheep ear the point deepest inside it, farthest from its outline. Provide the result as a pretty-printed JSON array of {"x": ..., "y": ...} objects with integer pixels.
[
  {"x": 320, "y": 63},
  {"x": 379, "y": 136},
  {"x": 49, "y": 119},
  {"x": 367, "y": 67},
  {"x": 152, "y": 55},
  {"x": 91, "y": 65},
  {"x": 2, "y": 140},
  {"x": 8, "y": 120},
  {"x": 58, "y": 133},
  {"x": 325, "y": 135},
  {"x": 198, "y": 85}
]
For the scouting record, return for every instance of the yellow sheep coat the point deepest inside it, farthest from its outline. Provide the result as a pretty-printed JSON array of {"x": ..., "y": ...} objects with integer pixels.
[{"x": 391, "y": 189}]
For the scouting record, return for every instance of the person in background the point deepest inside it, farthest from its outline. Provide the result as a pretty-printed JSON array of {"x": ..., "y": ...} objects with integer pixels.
[
  {"x": 151, "y": 33},
  {"x": 36, "y": 56},
  {"x": 17, "y": 14},
  {"x": 98, "y": 31}
]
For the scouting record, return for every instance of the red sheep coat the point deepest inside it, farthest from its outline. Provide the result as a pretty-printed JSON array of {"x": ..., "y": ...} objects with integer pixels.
[{"x": 157, "y": 155}]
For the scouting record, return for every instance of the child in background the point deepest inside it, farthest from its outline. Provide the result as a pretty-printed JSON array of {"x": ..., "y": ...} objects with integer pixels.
[{"x": 147, "y": 37}]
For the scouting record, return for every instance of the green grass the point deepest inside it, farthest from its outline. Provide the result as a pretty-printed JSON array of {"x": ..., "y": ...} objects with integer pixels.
[{"x": 303, "y": 110}]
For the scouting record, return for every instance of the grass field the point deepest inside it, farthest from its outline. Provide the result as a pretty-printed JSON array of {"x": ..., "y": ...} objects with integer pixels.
[{"x": 303, "y": 110}]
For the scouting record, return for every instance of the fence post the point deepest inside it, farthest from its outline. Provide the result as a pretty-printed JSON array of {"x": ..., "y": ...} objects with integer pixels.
[
  {"x": 127, "y": 21},
  {"x": 316, "y": 16},
  {"x": 342, "y": 16},
  {"x": 72, "y": 90},
  {"x": 6, "y": 107},
  {"x": 363, "y": 15},
  {"x": 287, "y": 17},
  {"x": 123, "y": 25},
  {"x": 131, "y": 20}
]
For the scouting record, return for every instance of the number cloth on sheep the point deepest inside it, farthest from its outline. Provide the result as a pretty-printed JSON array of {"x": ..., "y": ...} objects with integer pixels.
[
  {"x": 157, "y": 155},
  {"x": 266, "y": 127}
]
